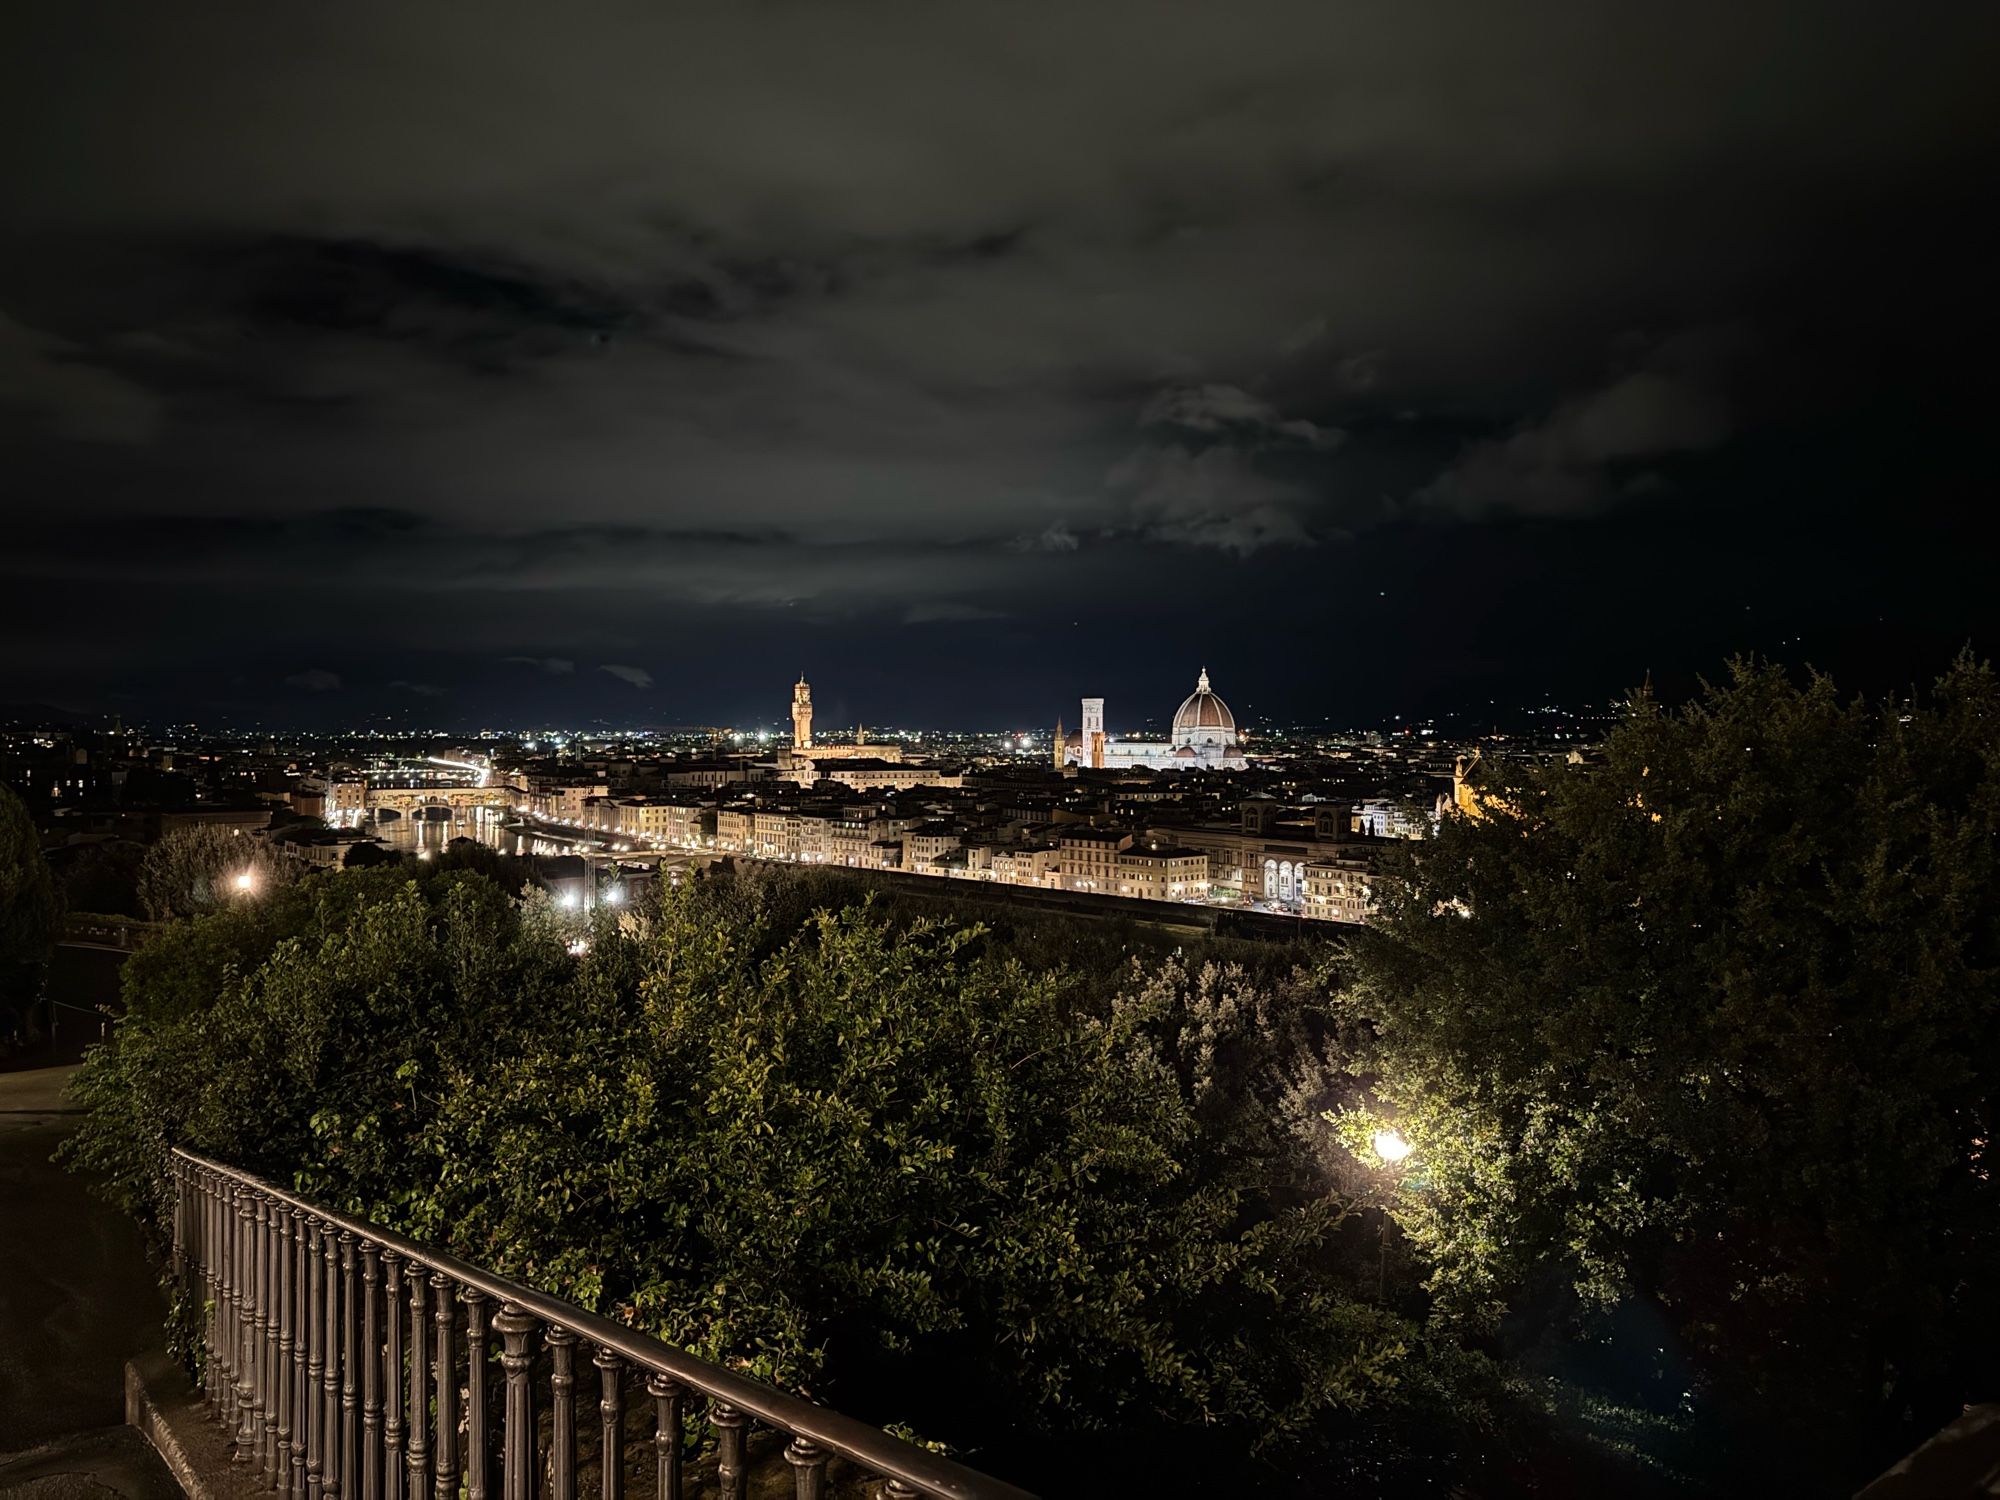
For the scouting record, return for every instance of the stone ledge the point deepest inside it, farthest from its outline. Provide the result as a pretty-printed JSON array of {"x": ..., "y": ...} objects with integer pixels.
[
  {"x": 1961, "y": 1463},
  {"x": 175, "y": 1420}
]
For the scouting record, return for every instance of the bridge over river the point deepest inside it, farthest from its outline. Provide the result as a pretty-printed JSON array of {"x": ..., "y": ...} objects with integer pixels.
[{"x": 407, "y": 799}]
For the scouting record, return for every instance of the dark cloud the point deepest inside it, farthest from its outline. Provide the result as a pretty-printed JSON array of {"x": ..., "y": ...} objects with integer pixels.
[
  {"x": 523, "y": 342},
  {"x": 53, "y": 382},
  {"x": 638, "y": 677},
  {"x": 315, "y": 680}
]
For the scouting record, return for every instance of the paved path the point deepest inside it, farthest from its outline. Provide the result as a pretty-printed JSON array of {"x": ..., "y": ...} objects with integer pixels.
[{"x": 77, "y": 1299}]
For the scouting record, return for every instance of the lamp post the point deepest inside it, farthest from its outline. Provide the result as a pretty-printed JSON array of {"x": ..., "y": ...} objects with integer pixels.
[{"x": 1392, "y": 1148}]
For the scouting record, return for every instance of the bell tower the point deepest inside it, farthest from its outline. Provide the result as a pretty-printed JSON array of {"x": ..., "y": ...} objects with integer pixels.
[
  {"x": 1093, "y": 733},
  {"x": 802, "y": 714}
]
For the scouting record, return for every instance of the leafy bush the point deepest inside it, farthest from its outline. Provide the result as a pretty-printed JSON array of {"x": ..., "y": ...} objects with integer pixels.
[
  {"x": 201, "y": 869},
  {"x": 1713, "y": 1024},
  {"x": 871, "y": 1161}
]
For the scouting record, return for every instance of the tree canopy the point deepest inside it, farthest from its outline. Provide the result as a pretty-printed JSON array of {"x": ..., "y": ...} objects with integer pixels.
[
  {"x": 199, "y": 869},
  {"x": 1711, "y": 1022}
]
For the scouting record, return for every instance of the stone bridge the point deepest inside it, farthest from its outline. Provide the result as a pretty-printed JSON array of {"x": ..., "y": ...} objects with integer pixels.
[{"x": 409, "y": 798}]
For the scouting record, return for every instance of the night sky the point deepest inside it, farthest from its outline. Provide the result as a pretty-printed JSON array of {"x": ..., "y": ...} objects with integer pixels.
[{"x": 489, "y": 364}]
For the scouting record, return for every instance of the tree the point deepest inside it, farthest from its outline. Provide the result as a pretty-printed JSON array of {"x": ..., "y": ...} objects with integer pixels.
[
  {"x": 104, "y": 878},
  {"x": 201, "y": 869},
  {"x": 869, "y": 1160},
  {"x": 28, "y": 914},
  {"x": 368, "y": 853},
  {"x": 1713, "y": 1023}
]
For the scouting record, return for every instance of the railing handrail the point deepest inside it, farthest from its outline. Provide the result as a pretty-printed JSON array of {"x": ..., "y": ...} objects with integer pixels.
[{"x": 873, "y": 1449}]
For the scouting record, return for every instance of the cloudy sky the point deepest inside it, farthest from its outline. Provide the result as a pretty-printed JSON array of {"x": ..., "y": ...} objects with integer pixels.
[{"x": 512, "y": 363}]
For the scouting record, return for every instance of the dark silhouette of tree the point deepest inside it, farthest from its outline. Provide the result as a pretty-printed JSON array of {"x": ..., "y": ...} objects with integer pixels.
[
  {"x": 104, "y": 878},
  {"x": 29, "y": 911}
]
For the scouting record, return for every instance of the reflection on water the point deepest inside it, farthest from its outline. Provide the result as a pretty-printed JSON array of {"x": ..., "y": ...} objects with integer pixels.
[{"x": 427, "y": 836}]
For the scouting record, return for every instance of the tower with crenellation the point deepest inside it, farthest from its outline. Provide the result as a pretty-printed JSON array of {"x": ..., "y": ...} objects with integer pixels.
[{"x": 802, "y": 714}]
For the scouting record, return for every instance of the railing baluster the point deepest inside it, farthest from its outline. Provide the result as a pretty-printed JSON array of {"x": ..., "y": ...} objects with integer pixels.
[
  {"x": 225, "y": 1381},
  {"x": 211, "y": 1354},
  {"x": 287, "y": 1349},
  {"x": 301, "y": 1351},
  {"x": 667, "y": 1394},
  {"x": 477, "y": 1442},
  {"x": 330, "y": 1476},
  {"x": 808, "y": 1461},
  {"x": 445, "y": 1459},
  {"x": 350, "y": 1374},
  {"x": 517, "y": 1426},
  {"x": 392, "y": 1377},
  {"x": 371, "y": 1373},
  {"x": 730, "y": 1476},
  {"x": 419, "y": 1451},
  {"x": 562, "y": 1404},
  {"x": 315, "y": 1364},
  {"x": 267, "y": 1345},
  {"x": 246, "y": 1327},
  {"x": 177, "y": 1181},
  {"x": 271, "y": 1465},
  {"x": 225, "y": 1301},
  {"x": 611, "y": 1425}
]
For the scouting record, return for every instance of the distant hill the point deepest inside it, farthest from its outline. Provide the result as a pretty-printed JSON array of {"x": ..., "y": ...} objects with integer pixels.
[{"x": 45, "y": 715}]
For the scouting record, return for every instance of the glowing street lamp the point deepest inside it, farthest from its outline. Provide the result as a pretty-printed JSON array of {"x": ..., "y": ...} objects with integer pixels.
[
  {"x": 1391, "y": 1146},
  {"x": 246, "y": 882}
]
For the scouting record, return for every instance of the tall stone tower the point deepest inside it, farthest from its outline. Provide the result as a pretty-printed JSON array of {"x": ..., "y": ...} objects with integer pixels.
[
  {"x": 1093, "y": 732},
  {"x": 802, "y": 714},
  {"x": 1061, "y": 744}
]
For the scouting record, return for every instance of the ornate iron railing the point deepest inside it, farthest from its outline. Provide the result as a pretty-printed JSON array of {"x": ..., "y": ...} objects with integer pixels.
[{"x": 350, "y": 1363}]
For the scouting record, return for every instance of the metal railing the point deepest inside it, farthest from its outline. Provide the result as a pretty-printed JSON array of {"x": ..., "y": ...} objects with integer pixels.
[{"x": 350, "y": 1363}]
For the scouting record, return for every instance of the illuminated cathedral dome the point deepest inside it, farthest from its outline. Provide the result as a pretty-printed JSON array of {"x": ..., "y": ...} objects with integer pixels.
[{"x": 1204, "y": 719}]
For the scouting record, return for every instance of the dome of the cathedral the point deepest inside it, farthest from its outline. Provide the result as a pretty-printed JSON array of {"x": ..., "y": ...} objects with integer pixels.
[{"x": 1204, "y": 715}]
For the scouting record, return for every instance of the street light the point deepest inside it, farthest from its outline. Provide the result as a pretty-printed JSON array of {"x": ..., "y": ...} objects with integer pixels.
[
  {"x": 1391, "y": 1146},
  {"x": 246, "y": 882}
]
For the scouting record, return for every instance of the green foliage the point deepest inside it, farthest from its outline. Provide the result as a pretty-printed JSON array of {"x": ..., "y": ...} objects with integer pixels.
[
  {"x": 192, "y": 871},
  {"x": 870, "y": 1160},
  {"x": 1714, "y": 1023}
]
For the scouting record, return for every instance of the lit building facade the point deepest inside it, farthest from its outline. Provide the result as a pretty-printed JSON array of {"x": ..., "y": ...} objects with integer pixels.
[
  {"x": 800, "y": 762},
  {"x": 1204, "y": 738}
]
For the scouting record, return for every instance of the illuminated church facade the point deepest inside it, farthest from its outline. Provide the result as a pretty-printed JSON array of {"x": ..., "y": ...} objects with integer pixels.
[{"x": 1204, "y": 738}]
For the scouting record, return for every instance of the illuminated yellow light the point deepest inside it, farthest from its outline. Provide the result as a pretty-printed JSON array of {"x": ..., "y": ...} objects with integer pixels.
[{"x": 1391, "y": 1146}]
